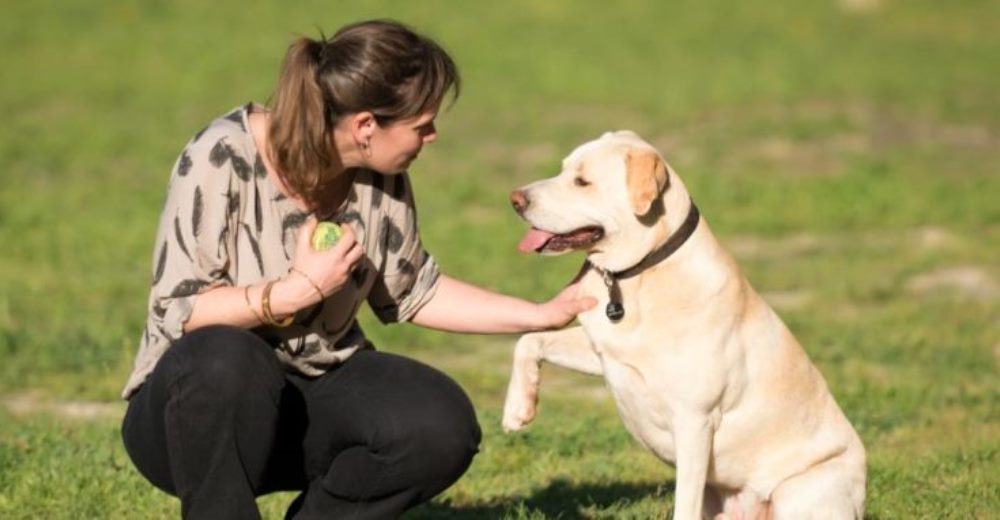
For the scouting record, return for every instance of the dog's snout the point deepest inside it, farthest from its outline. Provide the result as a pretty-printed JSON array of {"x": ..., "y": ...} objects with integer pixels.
[{"x": 519, "y": 200}]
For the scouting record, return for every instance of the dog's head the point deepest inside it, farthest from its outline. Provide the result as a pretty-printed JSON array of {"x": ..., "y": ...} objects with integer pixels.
[{"x": 610, "y": 200}]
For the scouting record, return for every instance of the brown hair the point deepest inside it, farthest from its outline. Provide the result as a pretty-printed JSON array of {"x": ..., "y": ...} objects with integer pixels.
[{"x": 381, "y": 66}]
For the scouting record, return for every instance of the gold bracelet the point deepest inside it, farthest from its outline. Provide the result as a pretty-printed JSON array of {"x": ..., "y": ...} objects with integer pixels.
[
  {"x": 265, "y": 308},
  {"x": 246, "y": 296},
  {"x": 311, "y": 282}
]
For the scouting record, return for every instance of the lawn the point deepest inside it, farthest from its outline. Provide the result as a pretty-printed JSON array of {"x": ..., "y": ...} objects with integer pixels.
[{"x": 845, "y": 151}]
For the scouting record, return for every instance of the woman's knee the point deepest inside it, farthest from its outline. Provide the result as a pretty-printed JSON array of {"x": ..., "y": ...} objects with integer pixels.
[
  {"x": 452, "y": 452},
  {"x": 226, "y": 361},
  {"x": 446, "y": 434},
  {"x": 406, "y": 414}
]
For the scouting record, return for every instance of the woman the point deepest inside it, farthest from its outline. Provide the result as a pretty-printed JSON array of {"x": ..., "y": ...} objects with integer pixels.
[{"x": 253, "y": 374}]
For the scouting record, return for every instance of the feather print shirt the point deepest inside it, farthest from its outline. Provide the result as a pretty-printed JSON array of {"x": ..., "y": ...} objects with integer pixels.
[{"x": 224, "y": 222}]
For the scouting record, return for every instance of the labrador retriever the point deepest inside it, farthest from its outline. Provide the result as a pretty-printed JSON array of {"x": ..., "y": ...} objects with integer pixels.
[{"x": 703, "y": 372}]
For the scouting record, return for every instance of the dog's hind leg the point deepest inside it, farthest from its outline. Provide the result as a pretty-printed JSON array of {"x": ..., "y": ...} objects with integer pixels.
[
  {"x": 833, "y": 490},
  {"x": 569, "y": 348},
  {"x": 730, "y": 504}
]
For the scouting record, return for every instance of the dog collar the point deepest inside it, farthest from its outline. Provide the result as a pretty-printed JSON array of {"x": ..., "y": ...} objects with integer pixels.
[{"x": 615, "y": 310}]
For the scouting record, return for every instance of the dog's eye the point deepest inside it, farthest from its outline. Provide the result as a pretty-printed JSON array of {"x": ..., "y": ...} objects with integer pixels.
[{"x": 581, "y": 182}]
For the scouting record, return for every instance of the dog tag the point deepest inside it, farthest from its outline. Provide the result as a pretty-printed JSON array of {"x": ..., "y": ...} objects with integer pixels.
[{"x": 615, "y": 311}]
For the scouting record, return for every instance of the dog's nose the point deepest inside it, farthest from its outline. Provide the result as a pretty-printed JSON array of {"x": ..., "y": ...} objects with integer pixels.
[{"x": 519, "y": 200}]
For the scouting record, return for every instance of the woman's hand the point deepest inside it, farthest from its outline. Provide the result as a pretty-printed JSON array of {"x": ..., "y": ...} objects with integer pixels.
[
  {"x": 329, "y": 270},
  {"x": 561, "y": 310}
]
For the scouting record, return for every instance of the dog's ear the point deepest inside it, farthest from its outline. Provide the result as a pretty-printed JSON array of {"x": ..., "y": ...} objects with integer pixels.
[{"x": 646, "y": 177}]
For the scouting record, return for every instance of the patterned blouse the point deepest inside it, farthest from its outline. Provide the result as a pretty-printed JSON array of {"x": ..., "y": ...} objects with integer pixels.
[{"x": 224, "y": 222}]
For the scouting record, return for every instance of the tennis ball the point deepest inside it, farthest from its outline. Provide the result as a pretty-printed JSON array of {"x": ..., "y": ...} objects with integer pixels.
[{"x": 325, "y": 236}]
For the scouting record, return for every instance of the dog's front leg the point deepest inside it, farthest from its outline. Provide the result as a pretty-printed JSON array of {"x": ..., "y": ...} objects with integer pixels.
[
  {"x": 569, "y": 348},
  {"x": 693, "y": 439}
]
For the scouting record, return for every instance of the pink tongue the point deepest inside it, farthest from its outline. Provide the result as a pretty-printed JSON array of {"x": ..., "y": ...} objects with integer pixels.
[{"x": 535, "y": 239}]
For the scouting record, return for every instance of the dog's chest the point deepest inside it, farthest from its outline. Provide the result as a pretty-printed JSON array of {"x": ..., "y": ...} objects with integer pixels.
[
  {"x": 631, "y": 376},
  {"x": 645, "y": 414}
]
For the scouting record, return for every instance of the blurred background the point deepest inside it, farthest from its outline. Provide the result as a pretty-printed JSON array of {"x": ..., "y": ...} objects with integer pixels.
[{"x": 845, "y": 151}]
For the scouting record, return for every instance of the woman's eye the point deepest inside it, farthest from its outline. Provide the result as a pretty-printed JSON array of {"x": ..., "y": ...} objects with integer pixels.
[{"x": 581, "y": 182}]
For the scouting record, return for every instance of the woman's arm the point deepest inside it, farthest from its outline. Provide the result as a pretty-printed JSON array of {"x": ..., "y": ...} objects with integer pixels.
[
  {"x": 457, "y": 306},
  {"x": 227, "y": 305},
  {"x": 329, "y": 270}
]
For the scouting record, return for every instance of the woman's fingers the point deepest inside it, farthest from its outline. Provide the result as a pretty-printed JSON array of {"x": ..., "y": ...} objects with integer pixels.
[
  {"x": 330, "y": 268},
  {"x": 585, "y": 304},
  {"x": 354, "y": 254}
]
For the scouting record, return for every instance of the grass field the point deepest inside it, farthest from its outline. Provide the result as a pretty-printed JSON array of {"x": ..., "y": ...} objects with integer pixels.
[{"x": 846, "y": 152}]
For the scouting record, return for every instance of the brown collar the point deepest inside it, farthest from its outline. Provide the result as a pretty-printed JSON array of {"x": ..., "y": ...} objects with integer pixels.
[{"x": 615, "y": 310}]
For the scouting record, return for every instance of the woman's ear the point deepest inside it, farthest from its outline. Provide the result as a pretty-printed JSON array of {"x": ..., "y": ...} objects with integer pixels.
[{"x": 362, "y": 126}]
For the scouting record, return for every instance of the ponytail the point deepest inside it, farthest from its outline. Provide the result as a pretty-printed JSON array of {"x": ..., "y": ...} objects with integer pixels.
[
  {"x": 300, "y": 130},
  {"x": 380, "y": 66}
]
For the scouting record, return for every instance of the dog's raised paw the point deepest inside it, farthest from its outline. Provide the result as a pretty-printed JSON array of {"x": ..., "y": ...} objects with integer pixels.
[
  {"x": 511, "y": 424},
  {"x": 518, "y": 412}
]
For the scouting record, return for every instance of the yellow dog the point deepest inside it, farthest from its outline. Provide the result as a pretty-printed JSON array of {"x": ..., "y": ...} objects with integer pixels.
[{"x": 703, "y": 371}]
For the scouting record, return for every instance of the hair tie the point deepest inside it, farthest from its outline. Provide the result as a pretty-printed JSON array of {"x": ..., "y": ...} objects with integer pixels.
[{"x": 315, "y": 49}]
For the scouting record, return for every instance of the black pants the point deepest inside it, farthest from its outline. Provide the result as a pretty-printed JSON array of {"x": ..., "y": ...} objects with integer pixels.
[{"x": 219, "y": 422}]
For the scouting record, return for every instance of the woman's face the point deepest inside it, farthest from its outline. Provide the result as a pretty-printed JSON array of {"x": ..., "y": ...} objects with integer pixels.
[{"x": 397, "y": 144}]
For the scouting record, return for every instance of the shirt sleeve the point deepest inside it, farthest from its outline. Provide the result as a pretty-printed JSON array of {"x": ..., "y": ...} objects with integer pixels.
[
  {"x": 191, "y": 253},
  {"x": 410, "y": 275}
]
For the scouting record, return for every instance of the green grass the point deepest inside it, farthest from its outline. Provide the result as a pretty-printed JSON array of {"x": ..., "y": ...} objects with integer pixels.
[{"x": 847, "y": 159}]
